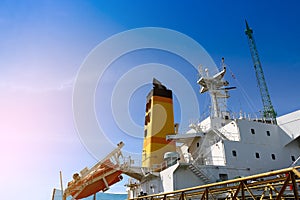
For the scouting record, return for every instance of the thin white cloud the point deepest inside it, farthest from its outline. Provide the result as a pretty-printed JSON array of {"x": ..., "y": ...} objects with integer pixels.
[{"x": 36, "y": 88}]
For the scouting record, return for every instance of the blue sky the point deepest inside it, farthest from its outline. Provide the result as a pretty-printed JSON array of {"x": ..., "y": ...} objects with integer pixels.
[{"x": 44, "y": 43}]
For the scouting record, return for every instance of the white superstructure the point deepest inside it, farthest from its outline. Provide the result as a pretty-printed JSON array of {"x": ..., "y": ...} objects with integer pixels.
[{"x": 222, "y": 147}]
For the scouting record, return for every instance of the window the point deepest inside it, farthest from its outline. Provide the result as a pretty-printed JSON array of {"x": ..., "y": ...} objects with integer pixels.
[
  {"x": 252, "y": 131},
  {"x": 197, "y": 144},
  {"x": 145, "y": 133},
  {"x": 147, "y": 118},
  {"x": 148, "y": 105},
  {"x": 293, "y": 158},
  {"x": 234, "y": 153},
  {"x": 273, "y": 156},
  {"x": 223, "y": 177},
  {"x": 268, "y": 133},
  {"x": 257, "y": 155}
]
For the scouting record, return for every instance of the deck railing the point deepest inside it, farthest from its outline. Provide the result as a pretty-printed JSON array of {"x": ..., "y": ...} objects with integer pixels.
[{"x": 277, "y": 185}]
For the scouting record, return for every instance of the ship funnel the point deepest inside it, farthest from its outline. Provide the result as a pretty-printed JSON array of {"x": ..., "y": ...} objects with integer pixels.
[{"x": 159, "y": 122}]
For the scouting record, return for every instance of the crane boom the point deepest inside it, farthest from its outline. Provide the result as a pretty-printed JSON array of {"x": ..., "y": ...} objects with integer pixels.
[{"x": 268, "y": 109}]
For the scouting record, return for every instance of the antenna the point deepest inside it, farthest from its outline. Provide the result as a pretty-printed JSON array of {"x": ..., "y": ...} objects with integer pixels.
[
  {"x": 268, "y": 110},
  {"x": 216, "y": 86},
  {"x": 61, "y": 184}
]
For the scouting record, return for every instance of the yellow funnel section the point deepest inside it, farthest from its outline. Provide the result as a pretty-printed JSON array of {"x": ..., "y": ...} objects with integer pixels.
[{"x": 159, "y": 122}]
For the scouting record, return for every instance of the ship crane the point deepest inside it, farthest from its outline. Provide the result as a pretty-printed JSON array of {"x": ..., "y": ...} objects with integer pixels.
[{"x": 268, "y": 109}]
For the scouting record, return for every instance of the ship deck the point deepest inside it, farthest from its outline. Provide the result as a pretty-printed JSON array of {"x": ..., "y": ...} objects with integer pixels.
[{"x": 279, "y": 184}]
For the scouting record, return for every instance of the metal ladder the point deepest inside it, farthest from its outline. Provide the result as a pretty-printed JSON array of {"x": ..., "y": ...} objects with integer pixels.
[{"x": 198, "y": 172}]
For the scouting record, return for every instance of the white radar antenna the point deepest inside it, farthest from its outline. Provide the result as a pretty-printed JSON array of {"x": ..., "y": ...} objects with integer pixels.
[{"x": 215, "y": 85}]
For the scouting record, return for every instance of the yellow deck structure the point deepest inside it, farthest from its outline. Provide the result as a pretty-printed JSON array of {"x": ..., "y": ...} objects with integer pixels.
[{"x": 280, "y": 184}]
